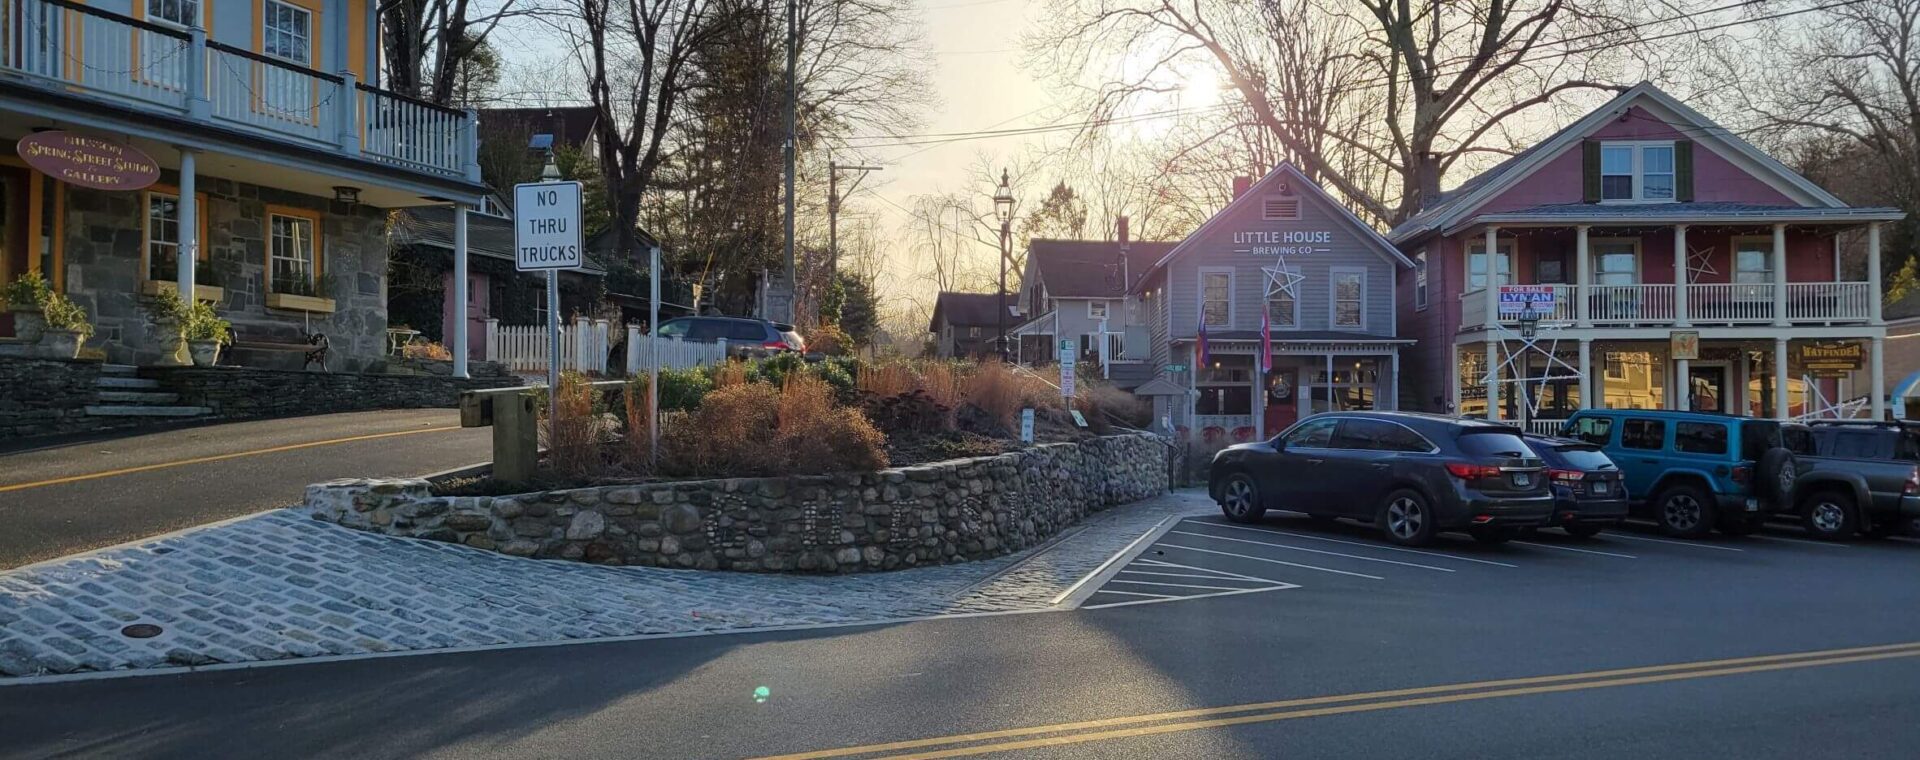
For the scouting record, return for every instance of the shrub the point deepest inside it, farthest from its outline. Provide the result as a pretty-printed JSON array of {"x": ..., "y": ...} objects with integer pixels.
[
  {"x": 638, "y": 452},
  {"x": 836, "y": 375},
  {"x": 913, "y": 412},
  {"x": 576, "y": 429},
  {"x": 27, "y": 290},
  {"x": 829, "y": 339},
  {"x": 886, "y": 380},
  {"x": 818, "y": 436},
  {"x": 774, "y": 370},
  {"x": 426, "y": 350},
  {"x": 1105, "y": 406},
  {"x": 731, "y": 433},
  {"x": 729, "y": 373},
  {"x": 168, "y": 308},
  {"x": 203, "y": 323},
  {"x": 683, "y": 389},
  {"x": 61, "y": 313},
  {"x": 942, "y": 381},
  {"x": 997, "y": 391}
]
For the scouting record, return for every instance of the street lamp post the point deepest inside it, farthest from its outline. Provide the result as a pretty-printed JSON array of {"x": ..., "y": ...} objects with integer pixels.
[{"x": 1003, "y": 209}]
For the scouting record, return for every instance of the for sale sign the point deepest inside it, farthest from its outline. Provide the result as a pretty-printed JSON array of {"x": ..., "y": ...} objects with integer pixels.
[
  {"x": 546, "y": 225},
  {"x": 1518, "y": 299}
]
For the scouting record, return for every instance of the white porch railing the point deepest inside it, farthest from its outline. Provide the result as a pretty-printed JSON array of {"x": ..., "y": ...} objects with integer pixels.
[
  {"x": 1545, "y": 426},
  {"x": 1712, "y": 303},
  {"x": 1821, "y": 301},
  {"x": 1730, "y": 303},
  {"x": 1630, "y": 304},
  {"x": 523, "y": 348},
  {"x": 674, "y": 353},
  {"x": 70, "y": 48}
]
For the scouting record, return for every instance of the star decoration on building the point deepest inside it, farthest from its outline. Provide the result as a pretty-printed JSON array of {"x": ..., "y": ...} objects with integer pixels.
[
  {"x": 1699, "y": 262},
  {"x": 1282, "y": 279}
]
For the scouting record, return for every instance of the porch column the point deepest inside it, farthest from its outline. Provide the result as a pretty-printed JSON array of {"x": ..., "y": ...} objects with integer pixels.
[
  {"x": 1683, "y": 383},
  {"x": 1780, "y": 275},
  {"x": 1259, "y": 401},
  {"x": 1583, "y": 271},
  {"x": 1877, "y": 366},
  {"x": 1453, "y": 380},
  {"x": 1780, "y": 397},
  {"x": 1680, "y": 277},
  {"x": 460, "y": 290},
  {"x": 1873, "y": 276},
  {"x": 1492, "y": 292},
  {"x": 187, "y": 254},
  {"x": 1586, "y": 373},
  {"x": 1393, "y": 381},
  {"x": 1493, "y": 373}
]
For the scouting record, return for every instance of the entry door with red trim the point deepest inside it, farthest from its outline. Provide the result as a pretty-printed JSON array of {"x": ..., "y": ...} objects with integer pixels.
[{"x": 1282, "y": 399}]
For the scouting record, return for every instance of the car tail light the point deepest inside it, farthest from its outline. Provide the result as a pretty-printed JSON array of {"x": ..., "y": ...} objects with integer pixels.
[
  {"x": 1743, "y": 474},
  {"x": 1469, "y": 471},
  {"x": 777, "y": 345},
  {"x": 1913, "y": 482},
  {"x": 1566, "y": 476}
]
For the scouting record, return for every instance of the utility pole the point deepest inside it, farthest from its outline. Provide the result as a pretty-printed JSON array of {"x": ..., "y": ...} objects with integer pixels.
[
  {"x": 793, "y": 143},
  {"x": 833, "y": 209}
]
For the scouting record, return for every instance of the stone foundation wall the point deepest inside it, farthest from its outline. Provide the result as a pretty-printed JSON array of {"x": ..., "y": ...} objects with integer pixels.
[
  {"x": 47, "y": 397},
  {"x": 247, "y": 392},
  {"x": 925, "y": 515}
]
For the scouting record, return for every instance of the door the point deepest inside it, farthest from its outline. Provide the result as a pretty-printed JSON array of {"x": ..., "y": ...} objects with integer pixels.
[
  {"x": 14, "y": 247},
  {"x": 1295, "y": 479},
  {"x": 1643, "y": 444},
  {"x": 1707, "y": 388},
  {"x": 1360, "y": 465},
  {"x": 1282, "y": 408}
]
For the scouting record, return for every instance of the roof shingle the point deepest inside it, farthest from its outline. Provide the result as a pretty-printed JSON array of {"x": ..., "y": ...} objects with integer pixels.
[{"x": 1092, "y": 268}]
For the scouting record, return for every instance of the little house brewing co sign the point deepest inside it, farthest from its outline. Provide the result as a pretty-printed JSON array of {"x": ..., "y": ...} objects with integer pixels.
[{"x": 88, "y": 161}]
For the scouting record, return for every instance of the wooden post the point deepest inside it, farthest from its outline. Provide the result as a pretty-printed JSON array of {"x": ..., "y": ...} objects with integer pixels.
[{"x": 516, "y": 442}]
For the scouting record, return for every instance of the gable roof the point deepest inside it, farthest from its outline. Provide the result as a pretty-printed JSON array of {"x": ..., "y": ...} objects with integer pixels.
[
  {"x": 1451, "y": 207},
  {"x": 1367, "y": 234},
  {"x": 1092, "y": 268},
  {"x": 973, "y": 309}
]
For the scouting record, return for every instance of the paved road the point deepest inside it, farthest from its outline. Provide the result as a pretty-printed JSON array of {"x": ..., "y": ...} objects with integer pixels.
[
  {"x": 1334, "y": 617},
  {"x": 65, "y": 499}
]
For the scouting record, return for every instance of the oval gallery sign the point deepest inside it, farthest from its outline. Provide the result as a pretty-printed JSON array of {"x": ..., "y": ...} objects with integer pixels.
[{"x": 88, "y": 161}]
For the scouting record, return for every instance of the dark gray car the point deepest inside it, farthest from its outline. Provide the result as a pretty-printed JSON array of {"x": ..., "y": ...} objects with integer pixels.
[{"x": 1412, "y": 475}]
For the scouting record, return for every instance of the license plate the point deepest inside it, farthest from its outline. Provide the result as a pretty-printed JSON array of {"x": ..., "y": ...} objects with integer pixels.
[
  {"x": 1753, "y": 505},
  {"x": 1522, "y": 479},
  {"x": 1600, "y": 486}
]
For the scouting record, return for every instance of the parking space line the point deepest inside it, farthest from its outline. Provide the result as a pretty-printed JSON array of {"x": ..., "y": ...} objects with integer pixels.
[
  {"x": 1381, "y": 547},
  {"x": 1280, "y": 587},
  {"x": 1136, "y": 593},
  {"x": 1272, "y": 561},
  {"x": 1178, "y": 575},
  {"x": 1827, "y": 544},
  {"x": 1163, "y": 563},
  {"x": 1573, "y": 549},
  {"x": 1313, "y": 551},
  {"x": 1175, "y": 585},
  {"x": 1694, "y": 544}
]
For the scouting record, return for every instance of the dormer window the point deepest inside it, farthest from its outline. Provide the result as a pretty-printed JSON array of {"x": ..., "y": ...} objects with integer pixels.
[{"x": 1637, "y": 172}]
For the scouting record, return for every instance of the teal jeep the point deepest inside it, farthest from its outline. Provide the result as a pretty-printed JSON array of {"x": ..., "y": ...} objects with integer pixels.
[{"x": 1692, "y": 472}]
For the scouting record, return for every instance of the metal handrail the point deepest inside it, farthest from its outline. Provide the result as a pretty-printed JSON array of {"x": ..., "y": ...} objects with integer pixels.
[{"x": 364, "y": 87}]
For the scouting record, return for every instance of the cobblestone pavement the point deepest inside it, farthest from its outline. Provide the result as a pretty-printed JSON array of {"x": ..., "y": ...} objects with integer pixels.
[{"x": 281, "y": 585}]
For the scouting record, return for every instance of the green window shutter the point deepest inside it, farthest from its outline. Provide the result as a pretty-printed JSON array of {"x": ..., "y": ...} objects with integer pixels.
[
  {"x": 1683, "y": 171},
  {"x": 1591, "y": 171}
]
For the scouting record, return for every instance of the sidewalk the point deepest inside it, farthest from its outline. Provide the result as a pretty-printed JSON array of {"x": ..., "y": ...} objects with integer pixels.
[{"x": 280, "y": 585}]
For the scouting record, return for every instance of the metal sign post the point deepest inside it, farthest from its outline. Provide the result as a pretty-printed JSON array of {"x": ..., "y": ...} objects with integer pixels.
[
  {"x": 546, "y": 237},
  {"x": 1067, "y": 368}
]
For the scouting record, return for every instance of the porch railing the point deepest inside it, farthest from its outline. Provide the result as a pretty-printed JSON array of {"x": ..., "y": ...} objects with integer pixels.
[
  {"x": 1630, "y": 304},
  {"x": 72, "y": 48},
  {"x": 1732, "y": 303},
  {"x": 1821, "y": 301},
  {"x": 1707, "y": 303}
]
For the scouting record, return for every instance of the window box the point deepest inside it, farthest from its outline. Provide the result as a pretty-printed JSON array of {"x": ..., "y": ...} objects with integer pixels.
[
  {"x": 299, "y": 303},
  {"x": 212, "y": 293}
]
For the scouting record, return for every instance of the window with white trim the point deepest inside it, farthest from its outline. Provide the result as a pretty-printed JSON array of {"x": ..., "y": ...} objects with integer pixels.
[
  {"x": 1477, "y": 263},
  {"x": 286, "y": 33},
  {"x": 1420, "y": 280},
  {"x": 1636, "y": 171},
  {"x": 1096, "y": 310},
  {"x": 1349, "y": 297},
  {"x": 1216, "y": 298},
  {"x": 1616, "y": 263},
  {"x": 1282, "y": 311}
]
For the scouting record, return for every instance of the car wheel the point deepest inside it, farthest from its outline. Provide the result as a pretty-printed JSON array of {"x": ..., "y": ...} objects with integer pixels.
[
  {"x": 1240, "y": 499},
  {"x": 1491, "y": 536},
  {"x": 1584, "y": 530},
  {"x": 1774, "y": 484},
  {"x": 1407, "y": 518},
  {"x": 1684, "y": 511},
  {"x": 1829, "y": 515}
]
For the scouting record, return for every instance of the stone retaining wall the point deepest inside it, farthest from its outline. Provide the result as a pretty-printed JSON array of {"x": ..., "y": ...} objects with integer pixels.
[
  {"x": 48, "y": 397},
  {"x": 236, "y": 392},
  {"x": 930, "y": 514}
]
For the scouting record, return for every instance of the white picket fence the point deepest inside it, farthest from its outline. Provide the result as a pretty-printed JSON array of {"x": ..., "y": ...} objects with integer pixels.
[
  {"x": 674, "y": 353},
  {"x": 523, "y": 348}
]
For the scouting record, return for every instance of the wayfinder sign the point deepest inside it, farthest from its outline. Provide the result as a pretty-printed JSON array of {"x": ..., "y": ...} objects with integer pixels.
[{"x": 546, "y": 226}]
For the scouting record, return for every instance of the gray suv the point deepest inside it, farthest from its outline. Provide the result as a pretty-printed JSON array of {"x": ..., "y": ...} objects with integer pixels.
[
  {"x": 744, "y": 333},
  {"x": 1412, "y": 475}
]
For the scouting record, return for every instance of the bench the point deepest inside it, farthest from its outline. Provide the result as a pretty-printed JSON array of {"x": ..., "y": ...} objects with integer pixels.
[{"x": 314, "y": 346}]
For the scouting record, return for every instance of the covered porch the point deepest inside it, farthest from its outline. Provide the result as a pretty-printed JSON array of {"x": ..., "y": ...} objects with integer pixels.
[{"x": 1232, "y": 400}]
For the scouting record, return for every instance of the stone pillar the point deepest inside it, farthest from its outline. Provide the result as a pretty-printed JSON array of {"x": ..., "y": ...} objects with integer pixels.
[
  {"x": 187, "y": 254},
  {"x": 1780, "y": 395},
  {"x": 1780, "y": 275},
  {"x": 1680, "y": 283}
]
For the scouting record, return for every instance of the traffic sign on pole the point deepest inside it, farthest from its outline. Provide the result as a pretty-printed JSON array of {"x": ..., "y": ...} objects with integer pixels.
[{"x": 546, "y": 237}]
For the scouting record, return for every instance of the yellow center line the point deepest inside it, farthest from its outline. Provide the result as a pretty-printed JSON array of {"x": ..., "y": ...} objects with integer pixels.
[
  {"x": 216, "y": 458},
  {"x": 1686, "y": 668},
  {"x": 1167, "y": 728}
]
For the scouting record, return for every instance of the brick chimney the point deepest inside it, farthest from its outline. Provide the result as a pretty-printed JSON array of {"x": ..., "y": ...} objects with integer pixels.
[
  {"x": 1120, "y": 230},
  {"x": 1241, "y": 185},
  {"x": 1126, "y": 272}
]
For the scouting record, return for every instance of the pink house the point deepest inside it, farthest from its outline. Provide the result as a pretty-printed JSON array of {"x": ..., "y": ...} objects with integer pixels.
[{"x": 1676, "y": 267}]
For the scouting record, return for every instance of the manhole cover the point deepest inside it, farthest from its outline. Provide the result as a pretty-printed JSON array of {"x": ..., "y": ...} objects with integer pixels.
[{"x": 140, "y": 631}]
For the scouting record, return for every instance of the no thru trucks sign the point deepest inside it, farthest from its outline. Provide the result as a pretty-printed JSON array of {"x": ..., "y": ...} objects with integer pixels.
[{"x": 546, "y": 225}]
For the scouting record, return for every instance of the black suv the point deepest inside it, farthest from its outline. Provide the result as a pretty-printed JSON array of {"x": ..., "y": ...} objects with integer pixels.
[
  {"x": 742, "y": 332},
  {"x": 1589, "y": 493},
  {"x": 1412, "y": 475}
]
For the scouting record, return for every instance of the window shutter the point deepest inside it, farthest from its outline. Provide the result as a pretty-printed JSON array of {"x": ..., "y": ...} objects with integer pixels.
[
  {"x": 1591, "y": 171},
  {"x": 1683, "y": 170}
]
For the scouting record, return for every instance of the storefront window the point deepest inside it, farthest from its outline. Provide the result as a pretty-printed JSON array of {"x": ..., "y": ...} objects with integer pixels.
[
  {"x": 1224, "y": 399},
  {"x": 1633, "y": 380},
  {"x": 1473, "y": 383},
  {"x": 1350, "y": 388}
]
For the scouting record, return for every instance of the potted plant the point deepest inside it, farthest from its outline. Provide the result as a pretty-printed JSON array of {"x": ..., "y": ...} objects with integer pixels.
[
  {"x": 26, "y": 296},
  {"x": 206, "y": 332},
  {"x": 67, "y": 327},
  {"x": 170, "y": 315}
]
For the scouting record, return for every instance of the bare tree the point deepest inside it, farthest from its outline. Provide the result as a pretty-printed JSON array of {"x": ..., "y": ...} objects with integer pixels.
[
  {"x": 1375, "y": 98},
  {"x": 429, "y": 45}
]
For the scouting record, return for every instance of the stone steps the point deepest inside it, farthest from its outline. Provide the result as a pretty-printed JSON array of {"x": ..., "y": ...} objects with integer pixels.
[
  {"x": 122, "y": 370},
  {"x": 133, "y": 383},
  {"x": 150, "y": 398},
  {"x": 146, "y": 411}
]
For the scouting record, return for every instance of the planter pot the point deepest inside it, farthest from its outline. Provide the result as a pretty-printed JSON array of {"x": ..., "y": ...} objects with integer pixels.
[
  {"x": 27, "y": 323},
  {"x": 171, "y": 343},
  {"x": 61, "y": 344},
  {"x": 204, "y": 352}
]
